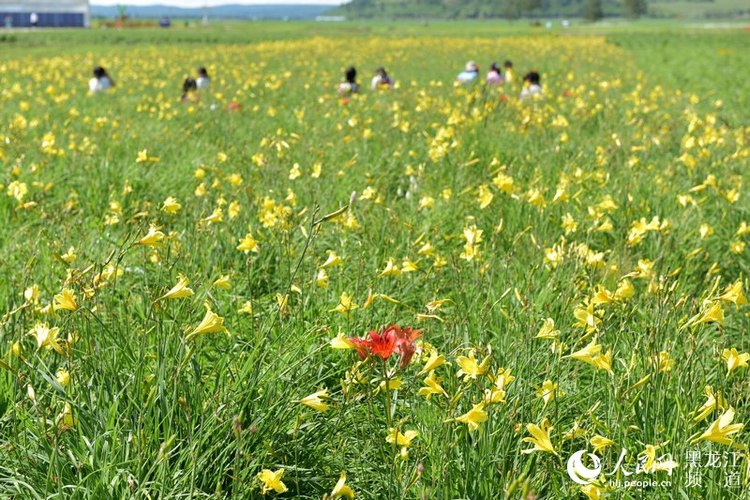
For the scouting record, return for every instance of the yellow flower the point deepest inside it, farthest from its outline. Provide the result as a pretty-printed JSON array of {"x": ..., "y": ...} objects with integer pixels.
[
  {"x": 341, "y": 342},
  {"x": 180, "y": 290},
  {"x": 272, "y": 481},
  {"x": 470, "y": 368},
  {"x": 592, "y": 491},
  {"x": 408, "y": 266},
  {"x": 65, "y": 300},
  {"x": 171, "y": 206},
  {"x": 720, "y": 430},
  {"x": 210, "y": 323},
  {"x": 332, "y": 260},
  {"x": 315, "y": 400},
  {"x": 586, "y": 317},
  {"x": 624, "y": 290},
  {"x": 154, "y": 238},
  {"x": 62, "y": 377},
  {"x": 547, "y": 331},
  {"x": 341, "y": 489},
  {"x": 648, "y": 458},
  {"x": 591, "y": 354},
  {"x": 713, "y": 401},
  {"x": 391, "y": 269},
  {"x": 547, "y": 391},
  {"x": 224, "y": 282},
  {"x": 734, "y": 359},
  {"x": 600, "y": 442},
  {"x": 712, "y": 314},
  {"x": 435, "y": 360},
  {"x": 216, "y": 216},
  {"x": 65, "y": 420},
  {"x": 733, "y": 293},
  {"x": 47, "y": 337},
  {"x": 392, "y": 385},
  {"x": 247, "y": 308},
  {"x": 484, "y": 196},
  {"x": 474, "y": 417},
  {"x": 248, "y": 244},
  {"x": 321, "y": 279},
  {"x": 540, "y": 438},
  {"x": 432, "y": 386},
  {"x": 346, "y": 305},
  {"x": 70, "y": 255},
  {"x": 404, "y": 440}
]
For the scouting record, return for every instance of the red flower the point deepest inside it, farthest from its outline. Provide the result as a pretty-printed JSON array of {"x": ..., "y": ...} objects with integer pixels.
[{"x": 389, "y": 340}]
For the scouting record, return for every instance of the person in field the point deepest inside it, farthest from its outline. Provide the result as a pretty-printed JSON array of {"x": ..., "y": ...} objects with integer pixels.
[
  {"x": 468, "y": 75},
  {"x": 349, "y": 85},
  {"x": 381, "y": 80},
  {"x": 189, "y": 90},
  {"x": 494, "y": 76},
  {"x": 531, "y": 85},
  {"x": 203, "y": 80},
  {"x": 508, "y": 66},
  {"x": 101, "y": 80}
]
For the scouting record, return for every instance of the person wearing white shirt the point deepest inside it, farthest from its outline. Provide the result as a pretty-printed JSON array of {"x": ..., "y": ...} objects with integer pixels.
[
  {"x": 531, "y": 85},
  {"x": 203, "y": 80},
  {"x": 469, "y": 75},
  {"x": 101, "y": 80},
  {"x": 381, "y": 80}
]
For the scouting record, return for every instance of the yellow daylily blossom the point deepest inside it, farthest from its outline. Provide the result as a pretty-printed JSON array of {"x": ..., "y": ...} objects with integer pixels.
[
  {"x": 332, "y": 260},
  {"x": 734, "y": 359},
  {"x": 391, "y": 268},
  {"x": 340, "y": 341},
  {"x": 403, "y": 440},
  {"x": 733, "y": 293},
  {"x": 341, "y": 489},
  {"x": 180, "y": 290},
  {"x": 272, "y": 481},
  {"x": 600, "y": 442},
  {"x": 154, "y": 238},
  {"x": 65, "y": 300},
  {"x": 432, "y": 386},
  {"x": 171, "y": 206},
  {"x": 474, "y": 417},
  {"x": 592, "y": 355},
  {"x": 346, "y": 305},
  {"x": 224, "y": 282},
  {"x": 470, "y": 369},
  {"x": 210, "y": 323},
  {"x": 315, "y": 400},
  {"x": 46, "y": 337},
  {"x": 248, "y": 244},
  {"x": 721, "y": 429},
  {"x": 540, "y": 438},
  {"x": 547, "y": 331},
  {"x": 433, "y": 362},
  {"x": 547, "y": 391}
]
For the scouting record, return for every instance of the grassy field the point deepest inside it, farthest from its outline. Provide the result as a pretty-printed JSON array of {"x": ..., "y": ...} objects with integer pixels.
[{"x": 184, "y": 283}]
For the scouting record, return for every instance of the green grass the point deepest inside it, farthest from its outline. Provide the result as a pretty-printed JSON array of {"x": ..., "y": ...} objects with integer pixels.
[{"x": 159, "y": 416}]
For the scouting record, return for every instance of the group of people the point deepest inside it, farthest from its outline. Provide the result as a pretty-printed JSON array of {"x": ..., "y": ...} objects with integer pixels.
[
  {"x": 380, "y": 80},
  {"x": 101, "y": 81},
  {"x": 495, "y": 76}
]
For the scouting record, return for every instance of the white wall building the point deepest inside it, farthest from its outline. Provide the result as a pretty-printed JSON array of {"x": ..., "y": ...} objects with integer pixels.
[{"x": 49, "y": 13}]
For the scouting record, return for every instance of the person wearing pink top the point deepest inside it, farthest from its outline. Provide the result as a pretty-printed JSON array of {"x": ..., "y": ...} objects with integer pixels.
[{"x": 494, "y": 76}]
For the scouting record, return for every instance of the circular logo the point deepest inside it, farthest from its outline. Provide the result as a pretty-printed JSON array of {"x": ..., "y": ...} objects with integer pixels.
[{"x": 581, "y": 474}]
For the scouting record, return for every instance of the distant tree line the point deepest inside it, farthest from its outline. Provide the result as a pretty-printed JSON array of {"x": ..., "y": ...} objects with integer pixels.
[{"x": 507, "y": 9}]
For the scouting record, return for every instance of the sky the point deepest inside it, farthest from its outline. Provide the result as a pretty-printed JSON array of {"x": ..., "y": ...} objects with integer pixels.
[{"x": 209, "y": 3}]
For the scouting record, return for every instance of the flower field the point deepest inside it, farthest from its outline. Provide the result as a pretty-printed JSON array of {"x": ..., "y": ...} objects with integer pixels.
[{"x": 430, "y": 291}]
